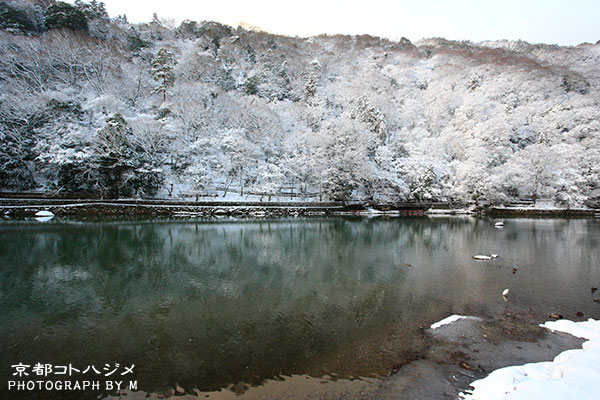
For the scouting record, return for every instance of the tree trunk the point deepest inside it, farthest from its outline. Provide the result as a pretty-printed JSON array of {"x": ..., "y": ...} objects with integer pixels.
[
  {"x": 536, "y": 186},
  {"x": 227, "y": 183},
  {"x": 241, "y": 183}
]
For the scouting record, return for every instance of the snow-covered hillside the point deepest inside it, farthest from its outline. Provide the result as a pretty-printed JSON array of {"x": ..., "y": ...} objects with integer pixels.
[{"x": 204, "y": 109}]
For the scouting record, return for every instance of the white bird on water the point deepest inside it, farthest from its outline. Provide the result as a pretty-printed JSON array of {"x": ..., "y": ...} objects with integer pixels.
[
  {"x": 505, "y": 292},
  {"x": 485, "y": 258}
]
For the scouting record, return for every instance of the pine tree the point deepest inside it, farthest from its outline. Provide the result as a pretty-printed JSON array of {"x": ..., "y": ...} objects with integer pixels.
[
  {"x": 372, "y": 117},
  {"x": 92, "y": 10},
  {"x": 310, "y": 87},
  {"x": 423, "y": 188},
  {"x": 64, "y": 15},
  {"x": 162, "y": 71}
]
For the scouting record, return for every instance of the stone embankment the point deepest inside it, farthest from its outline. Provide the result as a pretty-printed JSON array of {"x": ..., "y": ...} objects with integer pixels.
[
  {"x": 542, "y": 212},
  {"x": 61, "y": 207},
  {"x": 26, "y": 205}
]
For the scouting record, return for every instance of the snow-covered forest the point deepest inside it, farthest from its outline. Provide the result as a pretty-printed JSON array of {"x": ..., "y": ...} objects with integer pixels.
[{"x": 94, "y": 104}]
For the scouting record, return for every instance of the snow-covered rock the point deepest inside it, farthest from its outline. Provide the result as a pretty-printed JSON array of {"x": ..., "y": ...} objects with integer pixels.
[{"x": 44, "y": 214}]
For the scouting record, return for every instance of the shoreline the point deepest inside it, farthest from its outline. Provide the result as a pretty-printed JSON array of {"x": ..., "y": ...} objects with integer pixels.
[
  {"x": 470, "y": 349},
  {"x": 456, "y": 355},
  {"x": 27, "y": 207},
  {"x": 514, "y": 212}
]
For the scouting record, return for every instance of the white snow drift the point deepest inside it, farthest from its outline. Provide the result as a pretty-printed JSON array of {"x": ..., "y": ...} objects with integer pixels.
[{"x": 573, "y": 374}]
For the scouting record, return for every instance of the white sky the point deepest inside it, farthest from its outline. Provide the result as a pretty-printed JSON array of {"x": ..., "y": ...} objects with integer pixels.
[{"x": 565, "y": 22}]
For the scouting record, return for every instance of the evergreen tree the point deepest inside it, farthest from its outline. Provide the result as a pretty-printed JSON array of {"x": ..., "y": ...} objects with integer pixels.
[
  {"x": 424, "y": 188},
  {"x": 92, "y": 10},
  {"x": 12, "y": 18},
  {"x": 310, "y": 87},
  {"x": 162, "y": 71},
  {"x": 64, "y": 15}
]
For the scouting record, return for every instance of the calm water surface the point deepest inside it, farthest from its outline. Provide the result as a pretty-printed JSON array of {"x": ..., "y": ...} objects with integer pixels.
[{"x": 210, "y": 304}]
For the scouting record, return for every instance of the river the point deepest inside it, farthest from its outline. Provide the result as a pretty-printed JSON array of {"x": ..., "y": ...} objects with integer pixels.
[{"x": 207, "y": 304}]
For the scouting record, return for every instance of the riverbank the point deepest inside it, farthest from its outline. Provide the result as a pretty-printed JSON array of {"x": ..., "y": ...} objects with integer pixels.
[
  {"x": 573, "y": 374},
  {"x": 470, "y": 349},
  {"x": 457, "y": 354},
  {"x": 519, "y": 212},
  {"x": 15, "y": 207},
  {"x": 129, "y": 209}
]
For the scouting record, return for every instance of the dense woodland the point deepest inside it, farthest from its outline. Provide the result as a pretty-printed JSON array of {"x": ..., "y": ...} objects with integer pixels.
[{"x": 94, "y": 104}]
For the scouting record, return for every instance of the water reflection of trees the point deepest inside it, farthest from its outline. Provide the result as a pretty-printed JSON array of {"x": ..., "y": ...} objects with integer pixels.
[{"x": 243, "y": 300}]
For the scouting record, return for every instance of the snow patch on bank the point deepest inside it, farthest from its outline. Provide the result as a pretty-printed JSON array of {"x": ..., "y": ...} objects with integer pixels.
[
  {"x": 573, "y": 374},
  {"x": 589, "y": 329},
  {"x": 451, "y": 319}
]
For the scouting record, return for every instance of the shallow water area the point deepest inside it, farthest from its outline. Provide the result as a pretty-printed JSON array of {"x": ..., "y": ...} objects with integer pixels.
[{"x": 202, "y": 305}]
